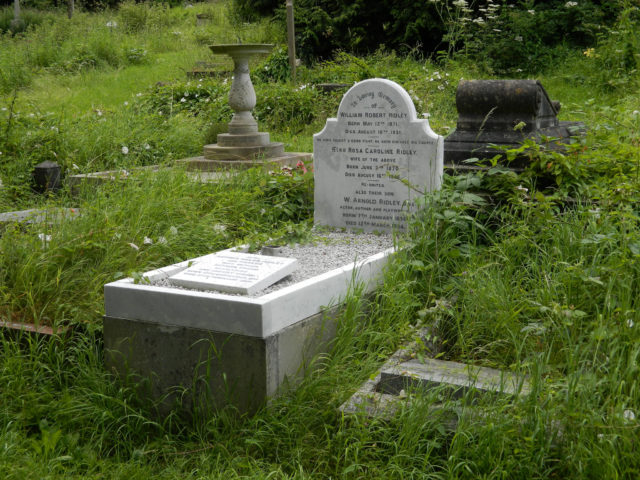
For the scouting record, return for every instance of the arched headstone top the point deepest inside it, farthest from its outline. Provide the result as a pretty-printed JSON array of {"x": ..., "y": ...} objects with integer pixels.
[
  {"x": 378, "y": 93},
  {"x": 373, "y": 159}
]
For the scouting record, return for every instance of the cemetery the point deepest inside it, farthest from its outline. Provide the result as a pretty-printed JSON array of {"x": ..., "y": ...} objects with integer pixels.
[{"x": 257, "y": 240}]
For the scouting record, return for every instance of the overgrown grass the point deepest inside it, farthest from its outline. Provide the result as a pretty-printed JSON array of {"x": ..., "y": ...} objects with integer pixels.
[{"x": 535, "y": 282}]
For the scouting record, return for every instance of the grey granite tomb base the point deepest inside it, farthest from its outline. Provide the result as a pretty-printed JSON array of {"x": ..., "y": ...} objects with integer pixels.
[{"x": 208, "y": 369}]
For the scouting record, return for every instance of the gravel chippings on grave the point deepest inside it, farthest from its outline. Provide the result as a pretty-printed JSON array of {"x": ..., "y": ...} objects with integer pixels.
[{"x": 326, "y": 252}]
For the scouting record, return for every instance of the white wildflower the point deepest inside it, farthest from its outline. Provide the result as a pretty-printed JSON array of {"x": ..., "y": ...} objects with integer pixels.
[
  {"x": 125, "y": 150},
  {"x": 629, "y": 415},
  {"x": 440, "y": 87},
  {"x": 111, "y": 24},
  {"x": 630, "y": 323},
  {"x": 218, "y": 227},
  {"x": 478, "y": 20},
  {"x": 162, "y": 240},
  {"x": 147, "y": 146},
  {"x": 173, "y": 230},
  {"x": 532, "y": 12},
  {"x": 571, "y": 4},
  {"x": 635, "y": 112},
  {"x": 518, "y": 38},
  {"x": 147, "y": 241},
  {"x": 522, "y": 189},
  {"x": 44, "y": 238},
  {"x": 139, "y": 94},
  {"x": 126, "y": 103},
  {"x": 460, "y": 3},
  {"x": 183, "y": 100},
  {"x": 55, "y": 129},
  {"x": 134, "y": 246}
]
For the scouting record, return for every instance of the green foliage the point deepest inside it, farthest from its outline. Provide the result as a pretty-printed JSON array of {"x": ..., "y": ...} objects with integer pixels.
[
  {"x": 275, "y": 68},
  {"x": 617, "y": 54},
  {"x": 501, "y": 36},
  {"x": 251, "y": 10},
  {"x": 144, "y": 17},
  {"x": 285, "y": 108},
  {"x": 29, "y": 18},
  {"x": 530, "y": 31},
  {"x": 198, "y": 98}
]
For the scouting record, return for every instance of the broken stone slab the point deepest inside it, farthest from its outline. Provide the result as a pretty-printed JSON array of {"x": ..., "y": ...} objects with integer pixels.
[
  {"x": 494, "y": 115},
  {"x": 405, "y": 376},
  {"x": 38, "y": 215},
  {"x": 76, "y": 182},
  {"x": 458, "y": 378},
  {"x": 203, "y": 164}
]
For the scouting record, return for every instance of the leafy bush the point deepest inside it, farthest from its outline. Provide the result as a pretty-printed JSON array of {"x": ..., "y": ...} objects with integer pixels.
[
  {"x": 284, "y": 108},
  {"x": 503, "y": 36},
  {"x": 28, "y": 18},
  {"x": 250, "y": 10},
  {"x": 192, "y": 97},
  {"x": 139, "y": 17},
  {"x": 617, "y": 54},
  {"x": 275, "y": 68}
]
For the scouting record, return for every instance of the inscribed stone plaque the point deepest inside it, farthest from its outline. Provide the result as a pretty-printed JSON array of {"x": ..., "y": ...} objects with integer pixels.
[
  {"x": 234, "y": 272},
  {"x": 374, "y": 159}
]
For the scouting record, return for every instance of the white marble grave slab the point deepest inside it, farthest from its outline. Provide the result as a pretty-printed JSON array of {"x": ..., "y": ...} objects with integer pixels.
[
  {"x": 374, "y": 159},
  {"x": 233, "y": 272}
]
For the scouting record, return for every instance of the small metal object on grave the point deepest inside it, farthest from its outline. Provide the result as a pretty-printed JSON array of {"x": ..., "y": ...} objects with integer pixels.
[
  {"x": 46, "y": 176},
  {"x": 503, "y": 113}
]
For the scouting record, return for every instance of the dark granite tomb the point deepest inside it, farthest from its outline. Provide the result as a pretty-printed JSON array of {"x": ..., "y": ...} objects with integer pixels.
[{"x": 502, "y": 113}]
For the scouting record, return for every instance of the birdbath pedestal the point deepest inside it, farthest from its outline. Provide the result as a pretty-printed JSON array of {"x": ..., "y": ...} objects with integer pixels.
[{"x": 244, "y": 146}]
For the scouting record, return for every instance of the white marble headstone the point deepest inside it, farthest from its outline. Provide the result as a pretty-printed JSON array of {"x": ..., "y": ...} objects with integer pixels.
[
  {"x": 374, "y": 159},
  {"x": 234, "y": 272}
]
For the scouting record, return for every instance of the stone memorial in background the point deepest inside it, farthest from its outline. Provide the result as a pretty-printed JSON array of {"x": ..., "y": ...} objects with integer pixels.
[
  {"x": 374, "y": 159},
  {"x": 503, "y": 113}
]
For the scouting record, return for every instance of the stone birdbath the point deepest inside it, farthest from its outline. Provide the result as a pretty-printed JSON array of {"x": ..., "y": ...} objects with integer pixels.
[
  {"x": 243, "y": 146},
  {"x": 242, "y": 97}
]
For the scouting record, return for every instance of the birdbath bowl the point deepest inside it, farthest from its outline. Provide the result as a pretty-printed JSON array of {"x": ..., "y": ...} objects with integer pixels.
[{"x": 242, "y": 96}]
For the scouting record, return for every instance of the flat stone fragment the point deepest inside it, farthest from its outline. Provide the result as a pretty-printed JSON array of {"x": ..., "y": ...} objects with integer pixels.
[
  {"x": 457, "y": 377},
  {"x": 234, "y": 272}
]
